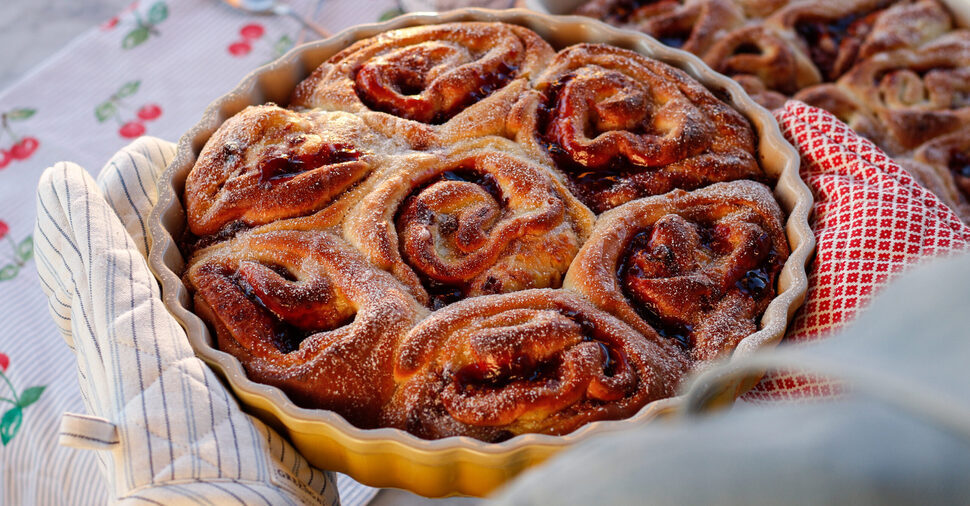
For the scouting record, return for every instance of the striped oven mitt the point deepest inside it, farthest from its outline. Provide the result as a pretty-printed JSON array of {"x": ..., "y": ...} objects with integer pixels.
[{"x": 165, "y": 429}]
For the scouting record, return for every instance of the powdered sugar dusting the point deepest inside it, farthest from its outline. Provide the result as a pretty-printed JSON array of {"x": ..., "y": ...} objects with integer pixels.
[{"x": 412, "y": 280}]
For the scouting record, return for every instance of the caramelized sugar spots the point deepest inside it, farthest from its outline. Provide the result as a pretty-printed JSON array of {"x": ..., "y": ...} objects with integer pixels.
[
  {"x": 287, "y": 335},
  {"x": 286, "y": 166},
  {"x": 404, "y": 88},
  {"x": 705, "y": 278}
]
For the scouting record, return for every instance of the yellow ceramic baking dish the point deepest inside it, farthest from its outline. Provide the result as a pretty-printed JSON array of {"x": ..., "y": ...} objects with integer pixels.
[{"x": 457, "y": 465}]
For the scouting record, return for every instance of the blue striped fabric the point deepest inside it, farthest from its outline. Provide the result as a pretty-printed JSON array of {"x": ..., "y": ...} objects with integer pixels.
[{"x": 181, "y": 437}]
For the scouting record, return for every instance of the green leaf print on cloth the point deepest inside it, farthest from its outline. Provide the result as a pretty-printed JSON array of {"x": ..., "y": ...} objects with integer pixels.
[{"x": 13, "y": 418}]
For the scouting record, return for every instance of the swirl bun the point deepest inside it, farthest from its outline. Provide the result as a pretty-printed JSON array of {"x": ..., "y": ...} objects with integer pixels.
[
  {"x": 917, "y": 94},
  {"x": 765, "y": 54},
  {"x": 394, "y": 246},
  {"x": 696, "y": 267},
  {"x": 304, "y": 312},
  {"x": 942, "y": 165},
  {"x": 533, "y": 361},
  {"x": 462, "y": 77},
  {"x": 267, "y": 163},
  {"x": 691, "y": 25},
  {"x": 623, "y": 126},
  {"x": 839, "y": 33},
  {"x": 476, "y": 221}
]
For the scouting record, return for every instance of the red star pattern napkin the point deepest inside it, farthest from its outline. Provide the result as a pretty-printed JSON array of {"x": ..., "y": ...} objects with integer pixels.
[{"x": 872, "y": 220}]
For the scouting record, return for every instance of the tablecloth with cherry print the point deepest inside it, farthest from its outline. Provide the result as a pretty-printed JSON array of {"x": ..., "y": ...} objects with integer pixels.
[{"x": 152, "y": 70}]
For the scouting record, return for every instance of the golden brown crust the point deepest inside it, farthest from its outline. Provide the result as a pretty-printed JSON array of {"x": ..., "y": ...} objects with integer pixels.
[
  {"x": 476, "y": 220},
  {"x": 267, "y": 163},
  {"x": 763, "y": 53},
  {"x": 431, "y": 84},
  {"x": 532, "y": 361},
  {"x": 917, "y": 94},
  {"x": 900, "y": 66},
  {"x": 321, "y": 235},
  {"x": 622, "y": 126},
  {"x": 836, "y": 34},
  {"x": 699, "y": 267},
  {"x": 691, "y": 25},
  {"x": 942, "y": 165},
  {"x": 304, "y": 312}
]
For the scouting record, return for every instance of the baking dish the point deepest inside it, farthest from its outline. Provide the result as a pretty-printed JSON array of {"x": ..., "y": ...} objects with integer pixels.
[{"x": 457, "y": 465}]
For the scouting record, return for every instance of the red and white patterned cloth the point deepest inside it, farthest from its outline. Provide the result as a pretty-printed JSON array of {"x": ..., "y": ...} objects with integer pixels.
[{"x": 871, "y": 219}]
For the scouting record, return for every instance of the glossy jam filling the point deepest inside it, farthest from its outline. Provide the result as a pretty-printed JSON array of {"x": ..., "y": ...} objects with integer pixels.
[
  {"x": 825, "y": 39},
  {"x": 189, "y": 243},
  {"x": 959, "y": 163},
  {"x": 523, "y": 368},
  {"x": 756, "y": 283},
  {"x": 587, "y": 183},
  {"x": 285, "y": 336},
  {"x": 410, "y": 85},
  {"x": 482, "y": 375},
  {"x": 285, "y": 166},
  {"x": 667, "y": 328},
  {"x": 628, "y": 10}
]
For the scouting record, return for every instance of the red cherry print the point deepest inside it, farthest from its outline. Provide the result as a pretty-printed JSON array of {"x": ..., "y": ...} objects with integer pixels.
[
  {"x": 149, "y": 112},
  {"x": 111, "y": 23},
  {"x": 30, "y": 144},
  {"x": 17, "y": 151},
  {"x": 241, "y": 48},
  {"x": 4, "y": 228},
  {"x": 5, "y": 158},
  {"x": 131, "y": 129},
  {"x": 4, "y": 361},
  {"x": 23, "y": 149},
  {"x": 252, "y": 31}
]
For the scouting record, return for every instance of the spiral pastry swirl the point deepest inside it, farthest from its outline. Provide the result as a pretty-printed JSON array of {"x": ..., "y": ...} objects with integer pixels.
[
  {"x": 462, "y": 77},
  {"x": 837, "y": 34},
  {"x": 267, "y": 163},
  {"x": 542, "y": 361},
  {"x": 942, "y": 166},
  {"x": 304, "y": 312},
  {"x": 404, "y": 244},
  {"x": 917, "y": 94},
  {"x": 696, "y": 267},
  {"x": 691, "y": 25},
  {"x": 623, "y": 126},
  {"x": 852, "y": 111},
  {"x": 475, "y": 221},
  {"x": 763, "y": 53}
]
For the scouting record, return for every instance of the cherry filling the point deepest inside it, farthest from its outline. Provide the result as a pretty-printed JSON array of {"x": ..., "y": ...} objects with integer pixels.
[
  {"x": 675, "y": 37},
  {"x": 522, "y": 368},
  {"x": 588, "y": 185},
  {"x": 628, "y": 10},
  {"x": 280, "y": 167},
  {"x": 411, "y": 85},
  {"x": 747, "y": 48},
  {"x": 443, "y": 293},
  {"x": 490, "y": 83},
  {"x": 959, "y": 164},
  {"x": 286, "y": 335},
  {"x": 755, "y": 283},
  {"x": 482, "y": 375},
  {"x": 669, "y": 273},
  {"x": 827, "y": 38}
]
